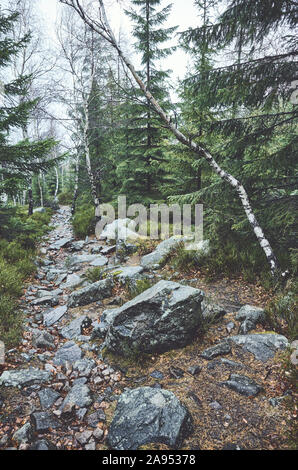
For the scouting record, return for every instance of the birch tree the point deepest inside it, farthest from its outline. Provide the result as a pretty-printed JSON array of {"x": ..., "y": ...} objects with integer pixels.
[{"x": 96, "y": 19}]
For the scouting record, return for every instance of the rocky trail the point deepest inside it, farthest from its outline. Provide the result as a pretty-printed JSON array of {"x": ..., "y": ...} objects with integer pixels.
[{"x": 72, "y": 384}]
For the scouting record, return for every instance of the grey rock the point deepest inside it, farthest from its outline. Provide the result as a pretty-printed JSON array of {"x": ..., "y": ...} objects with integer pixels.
[
  {"x": 81, "y": 259},
  {"x": 215, "y": 405},
  {"x": 242, "y": 385},
  {"x": 155, "y": 259},
  {"x": 47, "y": 398},
  {"x": 78, "y": 246},
  {"x": 44, "y": 420},
  {"x": 108, "y": 249},
  {"x": 74, "y": 328},
  {"x": 99, "y": 330},
  {"x": 194, "y": 370},
  {"x": 69, "y": 352},
  {"x": 43, "y": 339},
  {"x": 48, "y": 300},
  {"x": 84, "y": 367},
  {"x": 79, "y": 396},
  {"x": 99, "y": 261},
  {"x": 72, "y": 281},
  {"x": 262, "y": 346},
  {"x": 94, "y": 418},
  {"x": 156, "y": 374},
  {"x": 128, "y": 273},
  {"x": 225, "y": 362},
  {"x": 43, "y": 444},
  {"x": 230, "y": 326},
  {"x": 164, "y": 317},
  {"x": 83, "y": 437},
  {"x": 40, "y": 210},
  {"x": 92, "y": 293},
  {"x": 211, "y": 311},
  {"x": 24, "y": 377},
  {"x": 49, "y": 293},
  {"x": 217, "y": 350},
  {"x": 146, "y": 415},
  {"x": 249, "y": 316},
  {"x": 53, "y": 316},
  {"x": 62, "y": 243},
  {"x": 246, "y": 327},
  {"x": 24, "y": 434},
  {"x": 248, "y": 312}
]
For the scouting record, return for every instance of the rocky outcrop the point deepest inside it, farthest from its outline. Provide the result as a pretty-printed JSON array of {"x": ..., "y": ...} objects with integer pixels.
[
  {"x": 147, "y": 415},
  {"x": 164, "y": 317}
]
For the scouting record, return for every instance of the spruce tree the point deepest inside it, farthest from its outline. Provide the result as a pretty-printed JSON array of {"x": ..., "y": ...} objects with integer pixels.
[
  {"x": 253, "y": 130},
  {"x": 17, "y": 160},
  {"x": 141, "y": 166}
]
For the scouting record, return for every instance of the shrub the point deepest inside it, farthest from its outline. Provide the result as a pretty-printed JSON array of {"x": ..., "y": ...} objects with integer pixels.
[
  {"x": 282, "y": 314},
  {"x": 10, "y": 321},
  {"x": 94, "y": 274},
  {"x": 84, "y": 221},
  {"x": 65, "y": 198},
  {"x": 137, "y": 287},
  {"x": 10, "y": 280}
]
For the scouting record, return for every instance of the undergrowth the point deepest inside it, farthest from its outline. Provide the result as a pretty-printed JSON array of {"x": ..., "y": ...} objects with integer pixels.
[{"x": 19, "y": 235}]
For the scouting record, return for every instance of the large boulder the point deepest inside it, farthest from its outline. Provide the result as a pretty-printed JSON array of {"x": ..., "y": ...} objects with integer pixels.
[
  {"x": 162, "y": 318},
  {"x": 97, "y": 291},
  {"x": 147, "y": 415}
]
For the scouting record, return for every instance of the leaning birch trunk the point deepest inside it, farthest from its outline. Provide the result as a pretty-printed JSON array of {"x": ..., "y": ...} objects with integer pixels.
[
  {"x": 40, "y": 189},
  {"x": 102, "y": 27},
  {"x": 76, "y": 186},
  {"x": 88, "y": 161}
]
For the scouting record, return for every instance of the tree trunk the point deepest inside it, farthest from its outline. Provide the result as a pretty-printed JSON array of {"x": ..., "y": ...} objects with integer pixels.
[
  {"x": 76, "y": 186},
  {"x": 57, "y": 184},
  {"x": 30, "y": 198},
  {"x": 103, "y": 29}
]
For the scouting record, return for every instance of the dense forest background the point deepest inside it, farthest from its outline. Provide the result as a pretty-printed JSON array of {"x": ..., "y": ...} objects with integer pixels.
[{"x": 238, "y": 99}]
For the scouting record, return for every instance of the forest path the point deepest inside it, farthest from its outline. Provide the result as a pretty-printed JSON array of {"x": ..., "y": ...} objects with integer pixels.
[{"x": 60, "y": 393}]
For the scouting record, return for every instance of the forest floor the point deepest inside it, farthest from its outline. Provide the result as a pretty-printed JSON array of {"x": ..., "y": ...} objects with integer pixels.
[{"x": 222, "y": 418}]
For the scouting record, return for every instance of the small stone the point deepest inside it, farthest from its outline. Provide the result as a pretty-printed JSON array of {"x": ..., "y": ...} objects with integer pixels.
[
  {"x": 217, "y": 350},
  {"x": 83, "y": 437},
  {"x": 215, "y": 405},
  {"x": 43, "y": 421},
  {"x": 98, "y": 434},
  {"x": 194, "y": 370}
]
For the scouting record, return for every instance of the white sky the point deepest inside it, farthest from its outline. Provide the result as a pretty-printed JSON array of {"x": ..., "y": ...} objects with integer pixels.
[{"x": 183, "y": 15}]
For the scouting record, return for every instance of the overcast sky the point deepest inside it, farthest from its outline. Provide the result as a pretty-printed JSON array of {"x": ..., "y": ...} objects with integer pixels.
[{"x": 183, "y": 15}]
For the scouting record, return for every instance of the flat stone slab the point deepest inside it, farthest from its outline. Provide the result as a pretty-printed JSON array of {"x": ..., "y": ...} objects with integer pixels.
[
  {"x": 80, "y": 259},
  {"x": 74, "y": 328},
  {"x": 217, "y": 350},
  {"x": 53, "y": 316},
  {"x": 154, "y": 259},
  {"x": 263, "y": 346},
  {"x": 44, "y": 420},
  {"x": 147, "y": 415},
  {"x": 60, "y": 243},
  {"x": 94, "y": 292},
  {"x": 127, "y": 273},
  {"x": 79, "y": 396},
  {"x": 72, "y": 281},
  {"x": 242, "y": 385},
  {"x": 99, "y": 261},
  {"x": 24, "y": 377},
  {"x": 69, "y": 352},
  {"x": 47, "y": 397}
]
